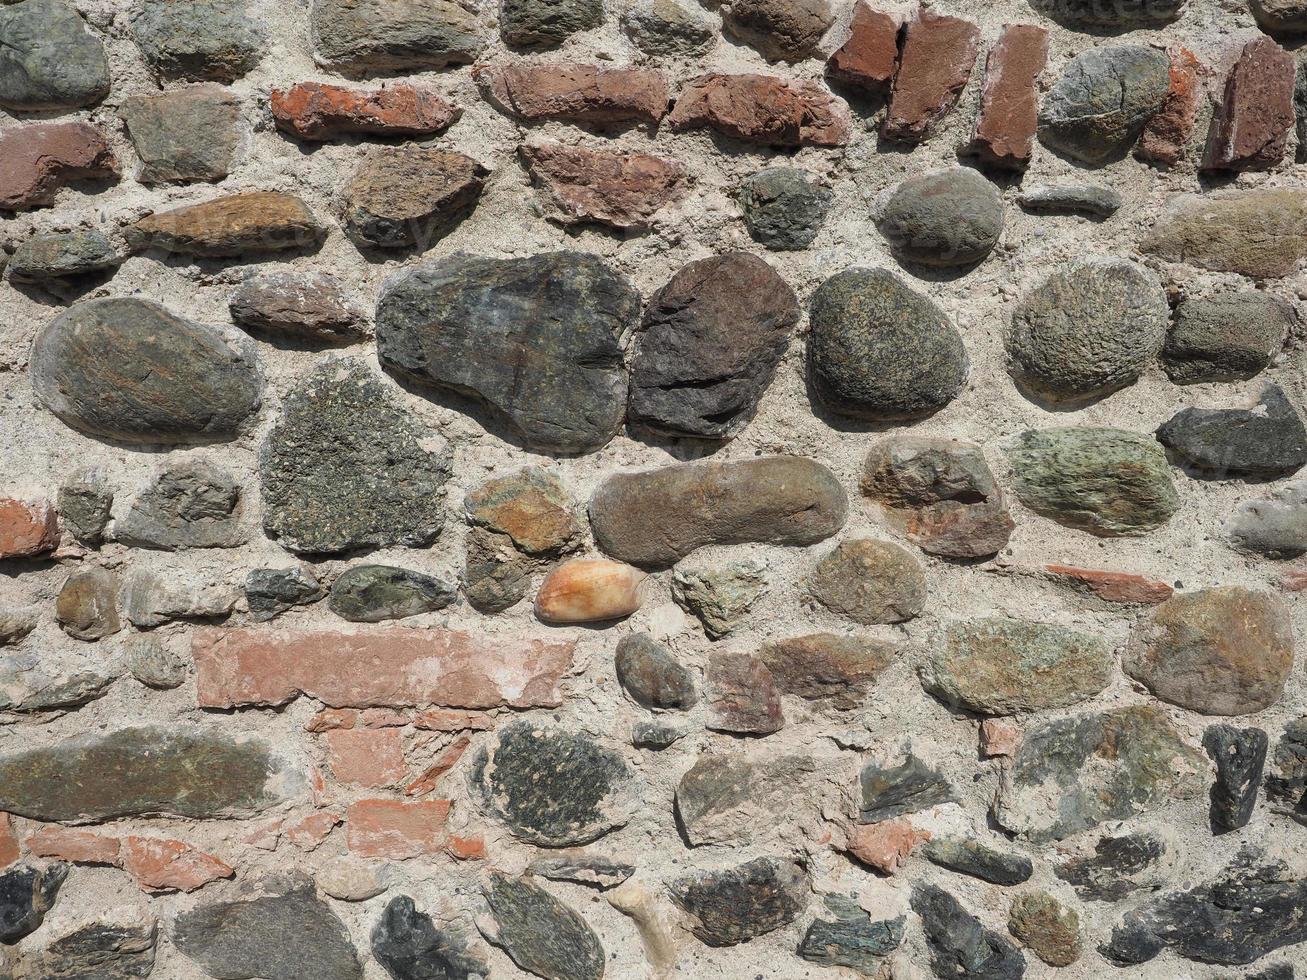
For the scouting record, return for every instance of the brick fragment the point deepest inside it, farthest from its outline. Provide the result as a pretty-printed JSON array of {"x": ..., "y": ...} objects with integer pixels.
[
  {"x": 38, "y": 159},
  {"x": 308, "y": 833},
  {"x": 318, "y": 112},
  {"x": 1167, "y": 133},
  {"x": 382, "y": 718},
  {"x": 266, "y": 835},
  {"x": 576, "y": 93},
  {"x": 27, "y": 527},
  {"x": 466, "y": 848},
  {"x": 885, "y": 845},
  {"x": 160, "y": 865},
  {"x": 618, "y": 189},
  {"x": 999, "y": 737},
  {"x": 396, "y": 830},
  {"x": 8, "y": 841},
  {"x": 427, "y": 782},
  {"x": 332, "y": 719},
  {"x": 938, "y": 54},
  {"x": 1005, "y": 129},
  {"x": 1123, "y": 587},
  {"x": 391, "y": 667},
  {"x": 1294, "y": 581},
  {"x": 1251, "y": 127},
  {"x": 442, "y": 720},
  {"x": 366, "y": 758},
  {"x": 763, "y": 109},
  {"x": 76, "y": 846},
  {"x": 867, "y": 60}
]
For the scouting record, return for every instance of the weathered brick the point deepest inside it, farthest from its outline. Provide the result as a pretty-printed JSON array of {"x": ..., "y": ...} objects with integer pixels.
[
  {"x": 308, "y": 833},
  {"x": 27, "y": 527},
  {"x": 1251, "y": 127},
  {"x": 763, "y": 109},
  {"x": 1123, "y": 587},
  {"x": 938, "y": 54},
  {"x": 1005, "y": 129},
  {"x": 76, "y": 846},
  {"x": 999, "y": 737},
  {"x": 867, "y": 60},
  {"x": 885, "y": 845},
  {"x": 393, "y": 667},
  {"x": 229, "y": 226},
  {"x": 430, "y": 778},
  {"x": 160, "y": 865},
  {"x": 577, "y": 93},
  {"x": 38, "y": 159},
  {"x": 442, "y": 720},
  {"x": 320, "y": 112},
  {"x": 1167, "y": 133},
  {"x": 366, "y": 758},
  {"x": 8, "y": 841},
  {"x": 397, "y": 830},
  {"x": 619, "y": 189}
]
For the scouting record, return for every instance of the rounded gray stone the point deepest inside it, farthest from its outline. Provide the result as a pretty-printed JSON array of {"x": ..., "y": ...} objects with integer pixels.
[
  {"x": 784, "y": 208},
  {"x": 948, "y": 218},
  {"x": 217, "y": 40},
  {"x": 1105, "y": 96},
  {"x": 61, "y": 256},
  {"x": 1275, "y": 525},
  {"x": 48, "y": 58},
  {"x": 669, "y": 27},
  {"x": 153, "y": 664},
  {"x": 374, "y": 593},
  {"x": 1230, "y": 337}
]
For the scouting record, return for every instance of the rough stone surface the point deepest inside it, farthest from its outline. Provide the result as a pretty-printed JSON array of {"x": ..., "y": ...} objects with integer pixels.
[
  {"x": 1116, "y": 867},
  {"x": 1004, "y": 136},
  {"x": 1227, "y": 337},
  {"x": 1279, "y": 17},
  {"x": 762, "y": 109},
  {"x": 868, "y": 59},
  {"x": 742, "y": 697},
  {"x": 1259, "y": 233},
  {"x": 410, "y": 946},
  {"x": 49, "y": 59},
  {"x": 935, "y": 61},
  {"x": 272, "y": 591},
  {"x": 1093, "y": 200},
  {"x": 230, "y": 226},
  {"x": 1096, "y": 17},
  {"x": 740, "y": 903},
  {"x": 318, "y": 112},
  {"x": 835, "y": 670},
  {"x": 945, "y": 218},
  {"x": 87, "y": 607},
  {"x": 720, "y": 596},
  {"x": 582, "y": 868},
  {"x": 363, "y": 37},
  {"x": 200, "y": 39},
  {"x": 960, "y": 946},
  {"x": 669, "y": 27},
  {"x": 191, "y": 505},
  {"x": 593, "y": 95},
  {"x": 84, "y": 504},
  {"x": 530, "y": 506},
  {"x": 970, "y": 857},
  {"x": 740, "y": 800},
  {"x": 870, "y": 582},
  {"x": 780, "y": 30},
  {"x": 1251, "y": 128},
  {"x": 1275, "y": 525},
  {"x": 1048, "y": 928},
  {"x": 154, "y": 664},
  {"x": 102, "y": 950},
  {"x": 61, "y": 259},
  {"x": 541, "y": 934},
  {"x": 373, "y": 593},
  {"x": 1166, "y": 135},
  {"x": 852, "y": 938},
  {"x": 403, "y": 196},
  {"x": 190, "y": 134},
  {"x": 546, "y": 23},
  {"x": 619, "y": 190},
  {"x": 1265, "y": 440},
  {"x": 1240, "y": 757},
  {"x": 651, "y": 676},
  {"x": 38, "y": 160},
  {"x": 784, "y": 208},
  {"x": 313, "y": 307},
  {"x": 894, "y": 790},
  {"x": 1102, "y": 101},
  {"x": 26, "y": 895}
]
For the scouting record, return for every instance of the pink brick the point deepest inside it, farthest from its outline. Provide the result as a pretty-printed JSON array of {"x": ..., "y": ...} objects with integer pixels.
[
  {"x": 367, "y": 758},
  {"x": 309, "y": 832},
  {"x": 396, "y": 829},
  {"x": 430, "y": 778}
]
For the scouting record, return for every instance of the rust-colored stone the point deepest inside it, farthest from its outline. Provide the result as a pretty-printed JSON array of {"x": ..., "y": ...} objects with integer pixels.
[
  {"x": 391, "y": 667},
  {"x": 1167, "y": 133},
  {"x": 575, "y": 92},
  {"x": 366, "y": 758},
  {"x": 763, "y": 109},
  {"x": 160, "y": 865},
  {"x": 608, "y": 187},
  {"x": 318, "y": 112},
  {"x": 395, "y": 829},
  {"x": 234, "y": 225},
  {"x": 8, "y": 841},
  {"x": 430, "y": 777},
  {"x": 27, "y": 528},
  {"x": 866, "y": 61},
  {"x": 1005, "y": 129},
  {"x": 38, "y": 159},
  {"x": 1251, "y": 128},
  {"x": 76, "y": 846},
  {"x": 1123, "y": 587},
  {"x": 938, "y": 54},
  {"x": 885, "y": 845},
  {"x": 742, "y": 695}
]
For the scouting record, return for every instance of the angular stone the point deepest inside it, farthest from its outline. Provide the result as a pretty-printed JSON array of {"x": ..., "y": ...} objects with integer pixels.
[
  {"x": 945, "y": 218},
  {"x": 87, "y": 607},
  {"x": 37, "y": 160},
  {"x": 762, "y": 109},
  {"x": 1005, "y": 128},
  {"x": 1093, "y": 200},
  {"x": 539, "y": 933},
  {"x": 934, "y": 64},
  {"x": 1048, "y": 928},
  {"x": 1259, "y": 233},
  {"x": 31, "y": 683},
  {"x": 1102, "y": 101},
  {"x": 347, "y": 467},
  {"x": 740, "y": 903},
  {"x": 160, "y": 865},
  {"x": 970, "y": 857},
  {"x": 313, "y": 306},
  {"x": 531, "y": 506},
  {"x": 272, "y": 591},
  {"x": 361, "y": 37},
  {"x": 154, "y": 664},
  {"x": 870, "y": 582},
  {"x": 573, "y": 92},
  {"x": 1093, "y": 16},
  {"x": 152, "y": 598},
  {"x": 852, "y": 939},
  {"x": 1166, "y": 135},
  {"x": 892, "y": 791},
  {"x": 249, "y": 223},
  {"x": 26, "y": 895},
  {"x": 784, "y": 208},
  {"x": 394, "y": 667},
  {"x": 651, "y": 676},
  {"x": 960, "y": 947},
  {"x": 1227, "y": 337},
  {"x": 27, "y": 528},
  {"x": 1279, "y": 17},
  {"x": 397, "y": 830},
  {"x": 1220, "y": 651},
  {"x": 742, "y": 699},
  {"x": 657, "y": 735},
  {"x": 1098, "y": 767},
  {"x": 496, "y": 575},
  {"x": 403, "y": 196},
  {"x": 781, "y": 30},
  {"x": 537, "y": 340},
  {"x": 546, "y": 23},
  {"x": 1109, "y": 586},
  {"x": 199, "y": 39},
  {"x": 63, "y": 258},
  {"x": 410, "y": 946},
  {"x": 878, "y": 349},
  {"x": 249, "y": 938},
  {"x": 1266, "y": 440},
  {"x": 102, "y": 950},
  {"x": 1240, "y": 757},
  {"x": 84, "y": 503},
  {"x": 590, "y": 590},
  {"x": 191, "y": 505},
  {"x": 740, "y": 800},
  {"x": 184, "y": 135},
  {"x": 318, "y": 112},
  {"x": 193, "y": 772},
  {"x": 867, "y": 60},
  {"x": 669, "y": 27},
  {"x": 837, "y": 670},
  {"x": 1274, "y": 526},
  {"x": 374, "y": 593},
  {"x": 1251, "y": 127},
  {"x": 48, "y": 58},
  {"x": 1002, "y": 666},
  {"x": 621, "y": 190},
  {"x": 884, "y": 846},
  {"x": 1107, "y": 482},
  {"x": 129, "y": 369},
  {"x": 582, "y": 869}
]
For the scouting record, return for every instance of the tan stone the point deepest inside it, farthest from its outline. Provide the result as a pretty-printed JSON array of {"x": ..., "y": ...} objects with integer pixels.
[
  {"x": 589, "y": 590},
  {"x": 233, "y": 225}
]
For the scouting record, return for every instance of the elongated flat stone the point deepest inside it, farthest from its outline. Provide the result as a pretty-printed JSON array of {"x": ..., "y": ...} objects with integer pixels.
[
  {"x": 254, "y": 222},
  {"x": 1260, "y": 233}
]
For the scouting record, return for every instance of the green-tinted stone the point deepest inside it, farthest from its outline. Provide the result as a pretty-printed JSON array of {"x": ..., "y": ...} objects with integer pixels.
[
  {"x": 372, "y": 593},
  {"x": 851, "y": 939},
  {"x": 48, "y": 59},
  {"x": 58, "y": 257},
  {"x": 199, "y": 39},
  {"x": 540, "y": 933},
  {"x": 1047, "y": 927},
  {"x": 784, "y": 208}
]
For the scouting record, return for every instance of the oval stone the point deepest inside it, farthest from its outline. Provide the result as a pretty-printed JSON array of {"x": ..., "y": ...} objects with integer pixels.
[
  {"x": 870, "y": 582},
  {"x": 129, "y": 369},
  {"x": 1103, "y": 100},
  {"x": 947, "y": 218},
  {"x": 48, "y": 59}
]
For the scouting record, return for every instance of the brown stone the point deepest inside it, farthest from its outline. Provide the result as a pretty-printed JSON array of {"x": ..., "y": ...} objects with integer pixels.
[
  {"x": 885, "y": 845},
  {"x": 370, "y": 758},
  {"x": 741, "y": 696},
  {"x": 763, "y": 109},
  {"x": 27, "y": 528},
  {"x": 938, "y": 54},
  {"x": 779, "y": 30},
  {"x": 310, "y": 306},
  {"x": 318, "y": 112},
  {"x": 575, "y": 93},
  {"x": 1047, "y": 927},
  {"x": 8, "y": 841},
  {"x": 867, "y": 60},
  {"x": 1251, "y": 127},
  {"x": 1261, "y": 232},
  {"x": 410, "y": 195},
  {"x": 1122, "y": 587},
  {"x": 531, "y": 506},
  {"x": 382, "y": 667},
  {"x": 1167, "y": 133},
  {"x": 396, "y": 830},
  {"x": 1005, "y": 129},
  {"x": 230, "y": 226},
  {"x": 870, "y": 582},
  {"x": 161, "y": 865},
  {"x": 607, "y": 187},
  {"x": 87, "y": 607},
  {"x": 839, "y": 670},
  {"x": 38, "y": 159}
]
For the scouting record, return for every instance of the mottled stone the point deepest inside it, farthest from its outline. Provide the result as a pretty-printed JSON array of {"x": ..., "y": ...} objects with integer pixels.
[
  {"x": 878, "y": 349},
  {"x": 87, "y": 607},
  {"x": 1259, "y": 233},
  {"x": 1274, "y": 525},
  {"x": 1094, "y": 200},
  {"x": 1251, "y": 126},
  {"x": 582, "y": 868},
  {"x": 31, "y": 683},
  {"x": 539, "y": 933},
  {"x": 374, "y": 593},
  {"x": 586, "y": 94},
  {"x": 1286, "y": 787},
  {"x": 868, "y": 59},
  {"x": 48, "y": 58},
  {"x": 617, "y": 189},
  {"x": 852, "y": 938},
  {"x": 63, "y": 258},
  {"x": 870, "y": 582},
  {"x": 892, "y": 791},
  {"x": 945, "y": 218},
  {"x": 313, "y": 306},
  {"x": 740, "y": 903},
  {"x": 720, "y": 595},
  {"x": 1166, "y": 135},
  {"x": 836, "y": 670},
  {"x": 1048, "y": 928},
  {"x": 960, "y": 947},
  {"x": 410, "y": 946},
  {"x": 199, "y": 39},
  {"x": 1004, "y": 136},
  {"x": 16, "y": 623},
  {"x": 546, "y": 23},
  {"x": 37, "y": 160},
  {"x": 970, "y": 857},
  {"x": 656, "y": 734},
  {"x": 531, "y": 506},
  {"x": 780, "y": 30},
  {"x": 1279, "y": 17},
  {"x": 935, "y": 61},
  {"x": 784, "y": 207},
  {"x": 1107, "y": 482},
  {"x": 26, "y": 895},
  {"x": 496, "y": 575},
  {"x": 269, "y": 592},
  {"x": 1102, "y": 101},
  {"x": 762, "y": 109},
  {"x": 740, "y": 800},
  {"x": 1117, "y": 867},
  {"x": 191, "y": 505},
  {"x": 1265, "y": 440},
  {"x": 232, "y": 226},
  {"x": 402, "y": 196},
  {"x": 1240, "y": 757},
  {"x": 153, "y": 663},
  {"x": 185, "y": 135},
  {"x": 318, "y": 112},
  {"x": 84, "y": 504},
  {"x": 112, "y": 949},
  {"x": 742, "y": 699},
  {"x": 669, "y": 27},
  {"x": 651, "y": 676},
  {"x": 361, "y": 37}
]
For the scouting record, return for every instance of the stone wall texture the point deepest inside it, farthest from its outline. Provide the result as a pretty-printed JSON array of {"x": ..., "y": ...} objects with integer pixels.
[{"x": 648, "y": 488}]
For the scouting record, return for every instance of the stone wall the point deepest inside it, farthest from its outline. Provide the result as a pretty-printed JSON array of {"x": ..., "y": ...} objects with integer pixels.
[{"x": 646, "y": 490}]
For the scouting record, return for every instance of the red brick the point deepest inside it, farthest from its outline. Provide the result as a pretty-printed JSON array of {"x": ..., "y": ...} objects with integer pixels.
[
  {"x": 608, "y": 187},
  {"x": 309, "y": 832},
  {"x": 8, "y": 841},
  {"x": 367, "y": 758},
  {"x": 395, "y": 829},
  {"x": 441, "y": 720},
  {"x": 885, "y": 845},
  {"x": 999, "y": 736},
  {"x": 382, "y": 718},
  {"x": 466, "y": 848},
  {"x": 1123, "y": 587},
  {"x": 1167, "y": 134},
  {"x": 1005, "y": 129},
  {"x": 76, "y": 846},
  {"x": 763, "y": 109},
  {"x": 332, "y": 719},
  {"x": 314, "y": 111},
  {"x": 1251, "y": 127},
  {"x": 575, "y": 92},
  {"x": 37, "y": 159},
  {"x": 430, "y": 778},
  {"x": 866, "y": 61},
  {"x": 938, "y": 54},
  {"x": 160, "y": 865},
  {"x": 387, "y": 667},
  {"x": 27, "y": 528}
]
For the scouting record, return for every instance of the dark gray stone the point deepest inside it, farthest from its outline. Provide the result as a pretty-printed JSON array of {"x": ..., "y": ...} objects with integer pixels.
[
  {"x": 1274, "y": 526},
  {"x": 312, "y": 306},
  {"x": 1267, "y": 440},
  {"x": 26, "y": 894},
  {"x": 880, "y": 350},
  {"x": 784, "y": 207},
  {"x": 128, "y": 369},
  {"x": 270, "y": 592},
  {"x": 1286, "y": 787},
  {"x": 372, "y": 593},
  {"x": 960, "y": 947},
  {"x": 84, "y": 504},
  {"x": 198, "y": 39},
  {"x": 1098, "y": 107},
  {"x": 277, "y": 937},
  {"x": 1240, "y": 757},
  {"x": 657, "y": 735},
  {"x": 546, "y": 23},
  {"x": 361, "y": 37},
  {"x": 947, "y": 218},
  {"x": 740, "y": 903},
  {"x": 1119, "y": 866},
  {"x": 1097, "y": 16},
  {"x": 191, "y": 505},
  {"x": 99, "y": 951},
  {"x": 780, "y": 30},
  {"x": 582, "y": 869},
  {"x": 1229, "y": 337},
  {"x": 551, "y": 787},
  {"x": 709, "y": 345},
  {"x": 973, "y": 858},
  {"x": 541, "y": 934},
  {"x": 1091, "y": 199},
  {"x": 186, "y": 135},
  {"x": 409, "y": 946},
  {"x": 347, "y": 467},
  {"x": 538, "y": 340},
  {"x": 891, "y": 791},
  {"x": 851, "y": 939},
  {"x": 496, "y": 575},
  {"x": 651, "y": 676},
  {"x": 62, "y": 258},
  {"x": 410, "y": 195},
  {"x": 48, "y": 58}
]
